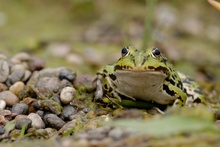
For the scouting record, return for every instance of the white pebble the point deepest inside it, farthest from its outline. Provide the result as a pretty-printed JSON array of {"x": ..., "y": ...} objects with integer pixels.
[
  {"x": 2, "y": 104},
  {"x": 66, "y": 95},
  {"x": 37, "y": 122}
]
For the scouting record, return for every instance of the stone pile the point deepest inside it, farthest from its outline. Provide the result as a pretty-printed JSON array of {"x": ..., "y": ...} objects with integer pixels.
[{"x": 36, "y": 98}]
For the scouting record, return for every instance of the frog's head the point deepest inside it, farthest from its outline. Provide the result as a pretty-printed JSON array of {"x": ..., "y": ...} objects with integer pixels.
[{"x": 149, "y": 60}]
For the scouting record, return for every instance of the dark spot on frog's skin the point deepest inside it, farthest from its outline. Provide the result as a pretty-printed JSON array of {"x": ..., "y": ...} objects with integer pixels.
[
  {"x": 160, "y": 68},
  {"x": 170, "y": 81},
  {"x": 199, "y": 91},
  {"x": 113, "y": 77},
  {"x": 110, "y": 89},
  {"x": 105, "y": 71},
  {"x": 197, "y": 100},
  {"x": 180, "y": 85},
  {"x": 105, "y": 86},
  {"x": 144, "y": 60},
  {"x": 180, "y": 98},
  {"x": 174, "y": 76},
  {"x": 170, "y": 92},
  {"x": 164, "y": 60},
  {"x": 118, "y": 67}
]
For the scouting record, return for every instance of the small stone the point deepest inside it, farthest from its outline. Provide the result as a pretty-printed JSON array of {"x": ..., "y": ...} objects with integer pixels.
[
  {"x": 59, "y": 49},
  {"x": 20, "y": 117},
  {"x": 86, "y": 109},
  {"x": 2, "y": 130},
  {"x": 51, "y": 105},
  {"x": 42, "y": 132},
  {"x": 37, "y": 122},
  {"x": 51, "y": 132},
  {"x": 19, "y": 67},
  {"x": 20, "y": 57},
  {"x": 116, "y": 134},
  {"x": 15, "y": 76},
  {"x": 17, "y": 87},
  {"x": 91, "y": 114},
  {"x": 67, "y": 94},
  {"x": 67, "y": 74},
  {"x": 40, "y": 113},
  {"x": 29, "y": 101},
  {"x": 4, "y": 70},
  {"x": 54, "y": 121},
  {"x": 74, "y": 59},
  {"x": 2, "y": 105},
  {"x": 19, "y": 123},
  {"x": 3, "y": 120},
  {"x": 9, "y": 98},
  {"x": 20, "y": 108},
  {"x": 84, "y": 81},
  {"x": 68, "y": 111},
  {"x": 68, "y": 126},
  {"x": 98, "y": 133},
  {"x": 36, "y": 64},
  {"x": 5, "y": 112},
  {"x": 27, "y": 75},
  {"x": 3, "y": 87}
]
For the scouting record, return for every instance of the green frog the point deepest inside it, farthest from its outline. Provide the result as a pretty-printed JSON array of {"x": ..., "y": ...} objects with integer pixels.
[{"x": 146, "y": 75}]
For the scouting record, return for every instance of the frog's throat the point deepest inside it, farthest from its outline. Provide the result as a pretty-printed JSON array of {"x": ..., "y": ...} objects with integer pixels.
[{"x": 143, "y": 85}]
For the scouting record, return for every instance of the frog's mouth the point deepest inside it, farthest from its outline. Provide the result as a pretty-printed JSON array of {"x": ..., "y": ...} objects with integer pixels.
[
  {"x": 145, "y": 85},
  {"x": 149, "y": 69}
]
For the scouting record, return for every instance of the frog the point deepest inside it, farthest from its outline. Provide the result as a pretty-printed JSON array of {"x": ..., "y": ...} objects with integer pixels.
[{"x": 146, "y": 75}]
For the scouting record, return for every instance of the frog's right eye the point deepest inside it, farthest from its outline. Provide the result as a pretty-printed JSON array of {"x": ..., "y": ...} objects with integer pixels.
[{"x": 125, "y": 51}]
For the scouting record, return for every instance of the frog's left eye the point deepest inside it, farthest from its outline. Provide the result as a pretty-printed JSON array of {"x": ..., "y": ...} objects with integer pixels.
[
  {"x": 125, "y": 51},
  {"x": 156, "y": 52}
]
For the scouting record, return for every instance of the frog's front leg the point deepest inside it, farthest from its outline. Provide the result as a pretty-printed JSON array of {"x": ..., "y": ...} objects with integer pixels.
[
  {"x": 104, "y": 84},
  {"x": 179, "y": 94}
]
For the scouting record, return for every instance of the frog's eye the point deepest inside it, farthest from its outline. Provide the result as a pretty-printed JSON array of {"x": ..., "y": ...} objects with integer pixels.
[
  {"x": 125, "y": 51},
  {"x": 155, "y": 52}
]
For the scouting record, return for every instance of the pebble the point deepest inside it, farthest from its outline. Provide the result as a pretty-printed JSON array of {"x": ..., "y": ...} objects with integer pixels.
[
  {"x": 36, "y": 64},
  {"x": 20, "y": 117},
  {"x": 59, "y": 49},
  {"x": 17, "y": 87},
  {"x": 19, "y": 123},
  {"x": 116, "y": 134},
  {"x": 2, "y": 130},
  {"x": 40, "y": 113},
  {"x": 50, "y": 105},
  {"x": 54, "y": 121},
  {"x": 68, "y": 111},
  {"x": 3, "y": 120},
  {"x": 27, "y": 75},
  {"x": 9, "y": 98},
  {"x": 2, "y": 105},
  {"x": 3, "y": 87},
  {"x": 37, "y": 122},
  {"x": 74, "y": 59},
  {"x": 23, "y": 66},
  {"x": 4, "y": 70},
  {"x": 15, "y": 76},
  {"x": 67, "y": 94},
  {"x": 20, "y": 57},
  {"x": 68, "y": 126},
  {"x": 20, "y": 108},
  {"x": 67, "y": 74}
]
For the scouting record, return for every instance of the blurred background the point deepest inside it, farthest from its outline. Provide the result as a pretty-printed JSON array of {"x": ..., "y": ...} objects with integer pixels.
[{"x": 86, "y": 34}]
